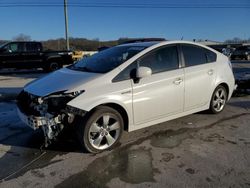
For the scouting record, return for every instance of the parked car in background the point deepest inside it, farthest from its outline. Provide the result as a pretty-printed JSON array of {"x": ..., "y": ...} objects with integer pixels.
[
  {"x": 241, "y": 53},
  {"x": 127, "y": 87},
  {"x": 228, "y": 51},
  {"x": 23, "y": 55}
]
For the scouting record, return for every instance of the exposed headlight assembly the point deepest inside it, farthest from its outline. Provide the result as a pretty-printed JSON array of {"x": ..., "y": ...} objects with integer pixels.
[{"x": 58, "y": 101}]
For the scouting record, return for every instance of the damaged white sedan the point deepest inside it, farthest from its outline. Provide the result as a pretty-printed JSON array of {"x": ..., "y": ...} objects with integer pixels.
[{"x": 127, "y": 87}]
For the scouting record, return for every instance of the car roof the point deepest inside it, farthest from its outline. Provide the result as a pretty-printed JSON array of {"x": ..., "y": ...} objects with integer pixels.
[
  {"x": 159, "y": 43},
  {"x": 141, "y": 44}
]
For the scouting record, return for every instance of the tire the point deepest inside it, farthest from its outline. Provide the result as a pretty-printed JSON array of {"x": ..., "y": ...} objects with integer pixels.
[
  {"x": 218, "y": 100},
  {"x": 101, "y": 130},
  {"x": 52, "y": 66}
]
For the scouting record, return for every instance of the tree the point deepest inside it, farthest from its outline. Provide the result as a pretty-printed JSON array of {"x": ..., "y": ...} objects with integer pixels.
[{"x": 22, "y": 37}]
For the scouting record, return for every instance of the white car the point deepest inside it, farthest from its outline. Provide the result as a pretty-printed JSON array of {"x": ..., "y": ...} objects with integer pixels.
[{"x": 127, "y": 87}]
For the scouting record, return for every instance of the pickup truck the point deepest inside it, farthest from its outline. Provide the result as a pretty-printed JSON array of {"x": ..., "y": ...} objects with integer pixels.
[
  {"x": 242, "y": 53},
  {"x": 23, "y": 55}
]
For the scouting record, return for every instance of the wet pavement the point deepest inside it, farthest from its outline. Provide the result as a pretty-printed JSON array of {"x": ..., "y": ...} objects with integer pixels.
[{"x": 201, "y": 150}]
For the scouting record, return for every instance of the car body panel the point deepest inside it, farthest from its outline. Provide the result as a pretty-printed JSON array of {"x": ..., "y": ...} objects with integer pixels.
[
  {"x": 199, "y": 91},
  {"x": 61, "y": 80},
  {"x": 153, "y": 100},
  {"x": 157, "y": 96}
]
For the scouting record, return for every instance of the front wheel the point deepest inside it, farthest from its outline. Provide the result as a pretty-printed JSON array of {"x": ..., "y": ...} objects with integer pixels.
[
  {"x": 219, "y": 99},
  {"x": 52, "y": 66},
  {"x": 101, "y": 130}
]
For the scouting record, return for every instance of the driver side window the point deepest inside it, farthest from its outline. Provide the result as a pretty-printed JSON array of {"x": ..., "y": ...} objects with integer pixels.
[
  {"x": 159, "y": 60},
  {"x": 13, "y": 47},
  {"x": 128, "y": 73},
  {"x": 162, "y": 59}
]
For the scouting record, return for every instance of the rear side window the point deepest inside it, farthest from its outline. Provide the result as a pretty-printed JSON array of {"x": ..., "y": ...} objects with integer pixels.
[
  {"x": 33, "y": 47},
  {"x": 195, "y": 55},
  {"x": 211, "y": 56}
]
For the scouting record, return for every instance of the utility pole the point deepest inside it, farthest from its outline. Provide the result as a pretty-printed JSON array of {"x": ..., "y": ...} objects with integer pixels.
[{"x": 66, "y": 23}]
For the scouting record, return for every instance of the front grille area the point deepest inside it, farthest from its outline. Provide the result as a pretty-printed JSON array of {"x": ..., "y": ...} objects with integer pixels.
[
  {"x": 26, "y": 103},
  {"x": 55, "y": 105}
]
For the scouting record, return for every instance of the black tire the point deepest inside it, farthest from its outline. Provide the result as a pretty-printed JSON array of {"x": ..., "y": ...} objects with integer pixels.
[
  {"x": 88, "y": 138},
  {"x": 52, "y": 66},
  {"x": 219, "y": 95}
]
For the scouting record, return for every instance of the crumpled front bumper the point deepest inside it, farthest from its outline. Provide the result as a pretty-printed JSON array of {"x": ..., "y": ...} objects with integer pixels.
[{"x": 35, "y": 122}]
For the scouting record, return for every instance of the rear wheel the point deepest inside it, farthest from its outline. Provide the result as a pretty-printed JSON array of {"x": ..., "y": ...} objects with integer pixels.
[
  {"x": 219, "y": 99},
  {"x": 101, "y": 130}
]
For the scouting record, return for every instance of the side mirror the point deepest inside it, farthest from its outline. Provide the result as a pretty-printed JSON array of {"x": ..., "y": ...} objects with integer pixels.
[{"x": 143, "y": 72}]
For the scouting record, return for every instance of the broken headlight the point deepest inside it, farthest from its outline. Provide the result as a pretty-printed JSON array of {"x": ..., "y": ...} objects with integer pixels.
[{"x": 58, "y": 101}]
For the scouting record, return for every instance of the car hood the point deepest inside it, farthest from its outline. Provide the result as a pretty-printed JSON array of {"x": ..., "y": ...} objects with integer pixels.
[{"x": 61, "y": 80}]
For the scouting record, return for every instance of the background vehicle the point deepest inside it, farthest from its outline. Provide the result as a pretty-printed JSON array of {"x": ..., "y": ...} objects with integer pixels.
[
  {"x": 242, "y": 53},
  {"x": 22, "y": 55},
  {"x": 128, "y": 87},
  {"x": 77, "y": 55}
]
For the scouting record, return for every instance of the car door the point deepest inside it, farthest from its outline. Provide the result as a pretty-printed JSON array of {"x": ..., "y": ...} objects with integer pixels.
[
  {"x": 161, "y": 94},
  {"x": 200, "y": 74},
  {"x": 11, "y": 57},
  {"x": 33, "y": 54}
]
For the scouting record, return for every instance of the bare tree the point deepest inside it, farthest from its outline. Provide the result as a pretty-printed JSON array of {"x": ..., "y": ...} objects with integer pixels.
[{"x": 22, "y": 37}]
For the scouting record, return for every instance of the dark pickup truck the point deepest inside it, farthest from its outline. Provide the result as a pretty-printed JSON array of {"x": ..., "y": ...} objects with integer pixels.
[
  {"x": 23, "y": 55},
  {"x": 242, "y": 53}
]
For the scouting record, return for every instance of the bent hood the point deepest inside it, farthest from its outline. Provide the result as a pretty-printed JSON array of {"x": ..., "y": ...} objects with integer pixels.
[{"x": 61, "y": 80}]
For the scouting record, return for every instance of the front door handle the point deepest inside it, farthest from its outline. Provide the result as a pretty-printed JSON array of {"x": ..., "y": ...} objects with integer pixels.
[
  {"x": 178, "y": 81},
  {"x": 210, "y": 72}
]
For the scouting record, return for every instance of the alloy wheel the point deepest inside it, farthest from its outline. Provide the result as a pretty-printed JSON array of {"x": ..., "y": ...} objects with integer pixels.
[
  {"x": 219, "y": 99},
  {"x": 104, "y": 132}
]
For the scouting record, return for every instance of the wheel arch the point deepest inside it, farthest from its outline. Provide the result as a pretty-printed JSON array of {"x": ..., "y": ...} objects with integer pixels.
[
  {"x": 120, "y": 109},
  {"x": 225, "y": 85}
]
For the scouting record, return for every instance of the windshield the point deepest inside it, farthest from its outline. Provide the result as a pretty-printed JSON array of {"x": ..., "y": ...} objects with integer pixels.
[
  {"x": 1, "y": 45},
  {"x": 107, "y": 60}
]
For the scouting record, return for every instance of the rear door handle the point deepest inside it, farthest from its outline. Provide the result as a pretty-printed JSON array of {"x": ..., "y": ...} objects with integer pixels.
[
  {"x": 210, "y": 72},
  {"x": 178, "y": 81}
]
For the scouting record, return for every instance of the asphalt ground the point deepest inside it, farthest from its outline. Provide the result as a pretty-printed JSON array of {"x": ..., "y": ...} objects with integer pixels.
[{"x": 199, "y": 150}]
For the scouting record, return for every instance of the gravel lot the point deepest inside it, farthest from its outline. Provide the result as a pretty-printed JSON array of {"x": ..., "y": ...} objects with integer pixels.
[{"x": 200, "y": 150}]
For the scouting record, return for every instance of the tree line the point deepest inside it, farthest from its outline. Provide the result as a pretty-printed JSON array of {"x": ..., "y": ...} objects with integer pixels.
[
  {"x": 81, "y": 44},
  {"x": 84, "y": 44}
]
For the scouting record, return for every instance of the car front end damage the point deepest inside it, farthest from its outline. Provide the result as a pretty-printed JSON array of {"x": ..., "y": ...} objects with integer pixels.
[{"x": 50, "y": 113}]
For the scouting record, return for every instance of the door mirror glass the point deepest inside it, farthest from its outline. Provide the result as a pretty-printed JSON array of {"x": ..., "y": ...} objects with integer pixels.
[{"x": 143, "y": 72}]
